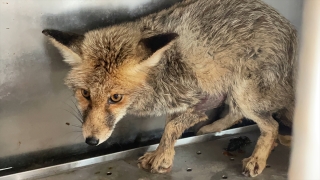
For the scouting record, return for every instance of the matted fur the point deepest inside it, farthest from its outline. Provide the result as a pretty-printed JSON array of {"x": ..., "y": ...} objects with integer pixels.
[{"x": 182, "y": 61}]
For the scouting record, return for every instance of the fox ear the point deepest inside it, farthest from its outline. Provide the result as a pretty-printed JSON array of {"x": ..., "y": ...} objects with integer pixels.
[
  {"x": 69, "y": 44},
  {"x": 155, "y": 46}
]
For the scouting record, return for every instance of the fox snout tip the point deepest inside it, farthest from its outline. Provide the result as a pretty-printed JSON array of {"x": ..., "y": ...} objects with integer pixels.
[{"x": 92, "y": 141}]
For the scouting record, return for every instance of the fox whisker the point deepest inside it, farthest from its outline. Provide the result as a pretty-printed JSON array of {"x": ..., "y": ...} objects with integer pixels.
[{"x": 74, "y": 116}]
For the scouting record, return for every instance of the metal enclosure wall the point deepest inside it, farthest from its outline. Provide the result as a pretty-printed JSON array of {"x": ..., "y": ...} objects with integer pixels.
[{"x": 33, "y": 98}]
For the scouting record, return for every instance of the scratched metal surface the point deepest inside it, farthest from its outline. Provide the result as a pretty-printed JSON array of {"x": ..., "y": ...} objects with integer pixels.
[
  {"x": 211, "y": 164},
  {"x": 33, "y": 98}
]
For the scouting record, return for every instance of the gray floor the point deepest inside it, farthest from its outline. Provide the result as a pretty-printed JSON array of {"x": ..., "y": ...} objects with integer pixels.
[{"x": 211, "y": 164}]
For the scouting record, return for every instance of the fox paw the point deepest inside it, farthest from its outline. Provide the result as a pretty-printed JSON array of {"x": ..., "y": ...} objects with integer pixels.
[
  {"x": 156, "y": 161},
  {"x": 208, "y": 129},
  {"x": 253, "y": 166}
]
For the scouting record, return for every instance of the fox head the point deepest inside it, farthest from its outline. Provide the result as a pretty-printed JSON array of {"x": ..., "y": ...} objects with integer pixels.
[{"x": 108, "y": 67}]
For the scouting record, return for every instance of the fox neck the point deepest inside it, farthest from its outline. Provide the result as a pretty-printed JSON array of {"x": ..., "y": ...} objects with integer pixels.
[{"x": 171, "y": 87}]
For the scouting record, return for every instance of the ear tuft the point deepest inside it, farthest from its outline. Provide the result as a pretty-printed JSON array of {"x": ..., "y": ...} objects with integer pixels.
[
  {"x": 154, "y": 47},
  {"x": 65, "y": 38},
  {"x": 159, "y": 41},
  {"x": 68, "y": 43}
]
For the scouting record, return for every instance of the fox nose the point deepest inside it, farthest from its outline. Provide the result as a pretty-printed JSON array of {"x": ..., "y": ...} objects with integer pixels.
[{"x": 92, "y": 141}]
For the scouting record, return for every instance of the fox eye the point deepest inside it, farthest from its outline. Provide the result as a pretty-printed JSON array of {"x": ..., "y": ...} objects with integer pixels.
[
  {"x": 115, "y": 98},
  {"x": 85, "y": 93}
]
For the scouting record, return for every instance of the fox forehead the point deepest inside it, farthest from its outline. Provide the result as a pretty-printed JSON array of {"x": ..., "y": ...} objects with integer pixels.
[
  {"x": 110, "y": 47},
  {"x": 86, "y": 76},
  {"x": 106, "y": 55},
  {"x": 99, "y": 80},
  {"x": 91, "y": 77}
]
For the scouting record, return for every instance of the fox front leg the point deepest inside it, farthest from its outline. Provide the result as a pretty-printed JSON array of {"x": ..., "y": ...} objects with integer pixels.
[{"x": 160, "y": 160}]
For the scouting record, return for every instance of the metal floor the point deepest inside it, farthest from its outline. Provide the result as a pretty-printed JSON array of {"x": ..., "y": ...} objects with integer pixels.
[{"x": 211, "y": 164}]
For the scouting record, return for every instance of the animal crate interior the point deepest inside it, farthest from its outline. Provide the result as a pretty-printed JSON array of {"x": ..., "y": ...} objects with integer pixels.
[{"x": 159, "y": 89}]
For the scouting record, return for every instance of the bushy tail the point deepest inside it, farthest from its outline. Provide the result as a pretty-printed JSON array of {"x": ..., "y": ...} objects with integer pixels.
[{"x": 285, "y": 140}]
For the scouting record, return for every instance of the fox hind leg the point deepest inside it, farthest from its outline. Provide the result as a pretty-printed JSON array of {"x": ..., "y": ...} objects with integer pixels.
[
  {"x": 230, "y": 119},
  {"x": 256, "y": 163}
]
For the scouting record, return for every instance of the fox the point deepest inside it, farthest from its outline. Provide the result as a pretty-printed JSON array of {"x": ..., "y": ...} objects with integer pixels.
[{"x": 180, "y": 62}]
